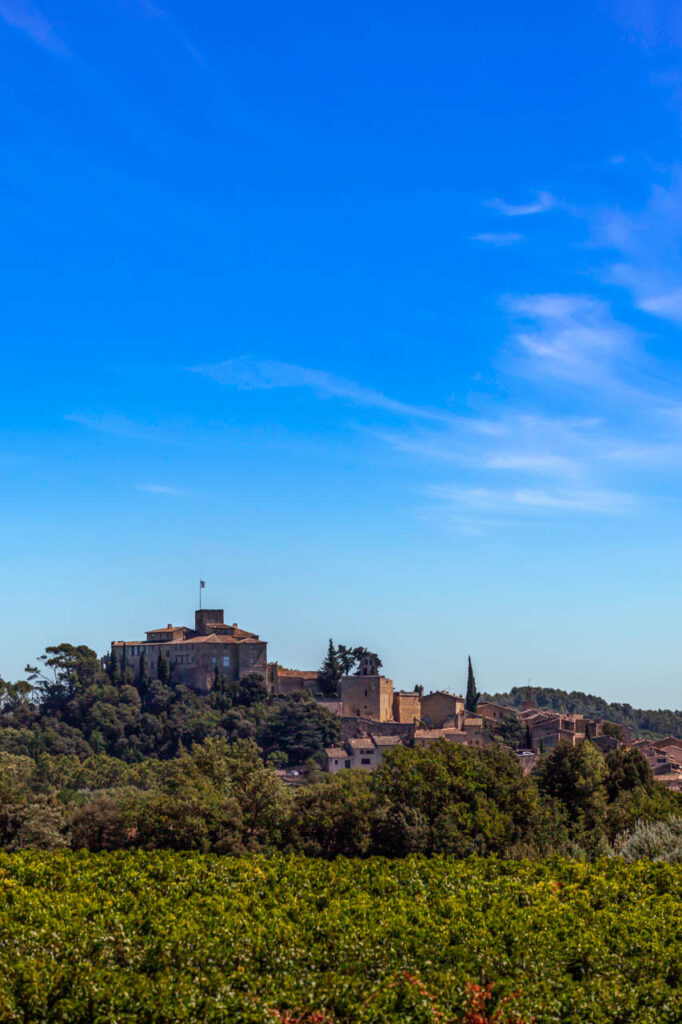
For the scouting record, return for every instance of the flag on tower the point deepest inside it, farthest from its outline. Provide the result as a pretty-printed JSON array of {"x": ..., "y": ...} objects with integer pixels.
[{"x": 202, "y": 583}]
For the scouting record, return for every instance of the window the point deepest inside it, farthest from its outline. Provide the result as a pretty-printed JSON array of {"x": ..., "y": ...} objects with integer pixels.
[
  {"x": 213, "y": 661},
  {"x": 226, "y": 661},
  {"x": 365, "y": 693},
  {"x": 365, "y": 760},
  {"x": 347, "y": 764}
]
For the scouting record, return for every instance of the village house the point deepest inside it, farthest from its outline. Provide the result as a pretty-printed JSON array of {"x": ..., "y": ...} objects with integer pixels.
[
  {"x": 495, "y": 712},
  {"x": 440, "y": 708},
  {"x": 664, "y": 757},
  {"x": 365, "y": 753}
]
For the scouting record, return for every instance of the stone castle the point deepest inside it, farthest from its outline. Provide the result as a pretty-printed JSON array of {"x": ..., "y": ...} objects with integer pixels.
[
  {"x": 365, "y": 697},
  {"x": 195, "y": 653}
]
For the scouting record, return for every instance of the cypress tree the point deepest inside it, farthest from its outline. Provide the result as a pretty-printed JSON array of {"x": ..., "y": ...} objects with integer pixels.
[
  {"x": 472, "y": 696},
  {"x": 142, "y": 681},
  {"x": 124, "y": 662},
  {"x": 163, "y": 669},
  {"x": 114, "y": 668}
]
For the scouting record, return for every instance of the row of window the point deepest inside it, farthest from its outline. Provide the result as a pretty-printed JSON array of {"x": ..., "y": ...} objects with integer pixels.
[{"x": 181, "y": 659}]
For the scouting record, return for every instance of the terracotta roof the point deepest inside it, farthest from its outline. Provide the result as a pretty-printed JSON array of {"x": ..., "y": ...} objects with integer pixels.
[
  {"x": 336, "y": 752},
  {"x": 673, "y": 752},
  {"x": 297, "y": 673},
  {"x": 493, "y": 704},
  {"x": 443, "y": 693},
  {"x": 212, "y": 638},
  {"x": 429, "y": 734},
  {"x": 386, "y": 741},
  {"x": 364, "y": 743}
]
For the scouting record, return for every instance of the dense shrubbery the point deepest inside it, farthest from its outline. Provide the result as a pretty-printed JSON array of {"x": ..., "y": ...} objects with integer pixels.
[
  {"x": 221, "y": 797},
  {"x": 132, "y": 937},
  {"x": 639, "y": 721}
]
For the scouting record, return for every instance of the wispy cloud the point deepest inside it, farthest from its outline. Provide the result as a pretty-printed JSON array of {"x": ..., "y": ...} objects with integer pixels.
[
  {"x": 499, "y": 239},
  {"x": 585, "y": 420},
  {"x": 649, "y": 244},
  {"x": 28, "y": 19},
  {"x": 121, "y": 426},
  {"x": 159, "y": 489},
  {"x": 252, "y": 374},
  {"x": 520, "y": 500},
  {"x": 545, "y": 201},
  {"x": 571, "y": 337},
  {"x": 551, "y": 463}
]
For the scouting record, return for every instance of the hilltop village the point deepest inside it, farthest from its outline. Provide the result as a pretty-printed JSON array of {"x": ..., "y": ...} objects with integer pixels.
[{"x": 375, "y": 717}]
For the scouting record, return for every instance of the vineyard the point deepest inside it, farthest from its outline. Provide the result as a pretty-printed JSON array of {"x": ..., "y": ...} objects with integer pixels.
[{"x": 163, "y": 937}]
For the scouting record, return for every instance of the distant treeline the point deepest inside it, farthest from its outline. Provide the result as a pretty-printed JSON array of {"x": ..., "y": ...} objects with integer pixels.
[{"x": 640, "y": 721}]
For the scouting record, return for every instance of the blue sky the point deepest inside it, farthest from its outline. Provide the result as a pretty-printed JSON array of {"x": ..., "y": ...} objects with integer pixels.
[{"x": 367, "y": 314}]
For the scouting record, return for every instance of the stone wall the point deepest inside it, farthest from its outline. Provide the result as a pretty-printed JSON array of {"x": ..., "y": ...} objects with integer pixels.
[{"x": 352, "y": 727}]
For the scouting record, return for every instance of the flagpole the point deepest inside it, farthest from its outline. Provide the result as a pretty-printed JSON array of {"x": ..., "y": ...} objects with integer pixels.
[{"x": 200, "y": 595}]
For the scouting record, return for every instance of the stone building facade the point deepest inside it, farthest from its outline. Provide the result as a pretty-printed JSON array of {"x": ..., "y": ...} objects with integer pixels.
[
  {"x": 407, "y": 706},
  {"x": 281, "y": 681},
  {"x": 367, "y": 696},
  {"x": 364, "y": 752},
  {"x": 194, "y": 654},
  {"x": 440, "y": 708}
]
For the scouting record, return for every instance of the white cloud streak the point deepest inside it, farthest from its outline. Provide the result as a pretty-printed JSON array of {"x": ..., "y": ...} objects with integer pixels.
[
  {"x": 29, "y": 20},
  {"x": 127, "y": 429},
  {"x": 571, "y": 337},
  {"x": 544, "y": 202},
  {"x": 250, "y": 374},
  {"x": 163, "y": 489},
  {"x": 498, "y": 239}
]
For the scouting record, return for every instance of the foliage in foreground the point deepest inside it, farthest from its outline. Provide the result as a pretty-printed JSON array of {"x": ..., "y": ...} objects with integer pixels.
[
  {"x": 158, "y": 937},
  {"x": 221, "y": 797}
]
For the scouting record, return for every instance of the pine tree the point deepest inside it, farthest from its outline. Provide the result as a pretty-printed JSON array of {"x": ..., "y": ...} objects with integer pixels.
[
  {"x": 472, "y": 696},
  {"x": 114, "y": 668},
  {"x": 163, "y": 669},
  {"x": 330, "y": 672}
]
